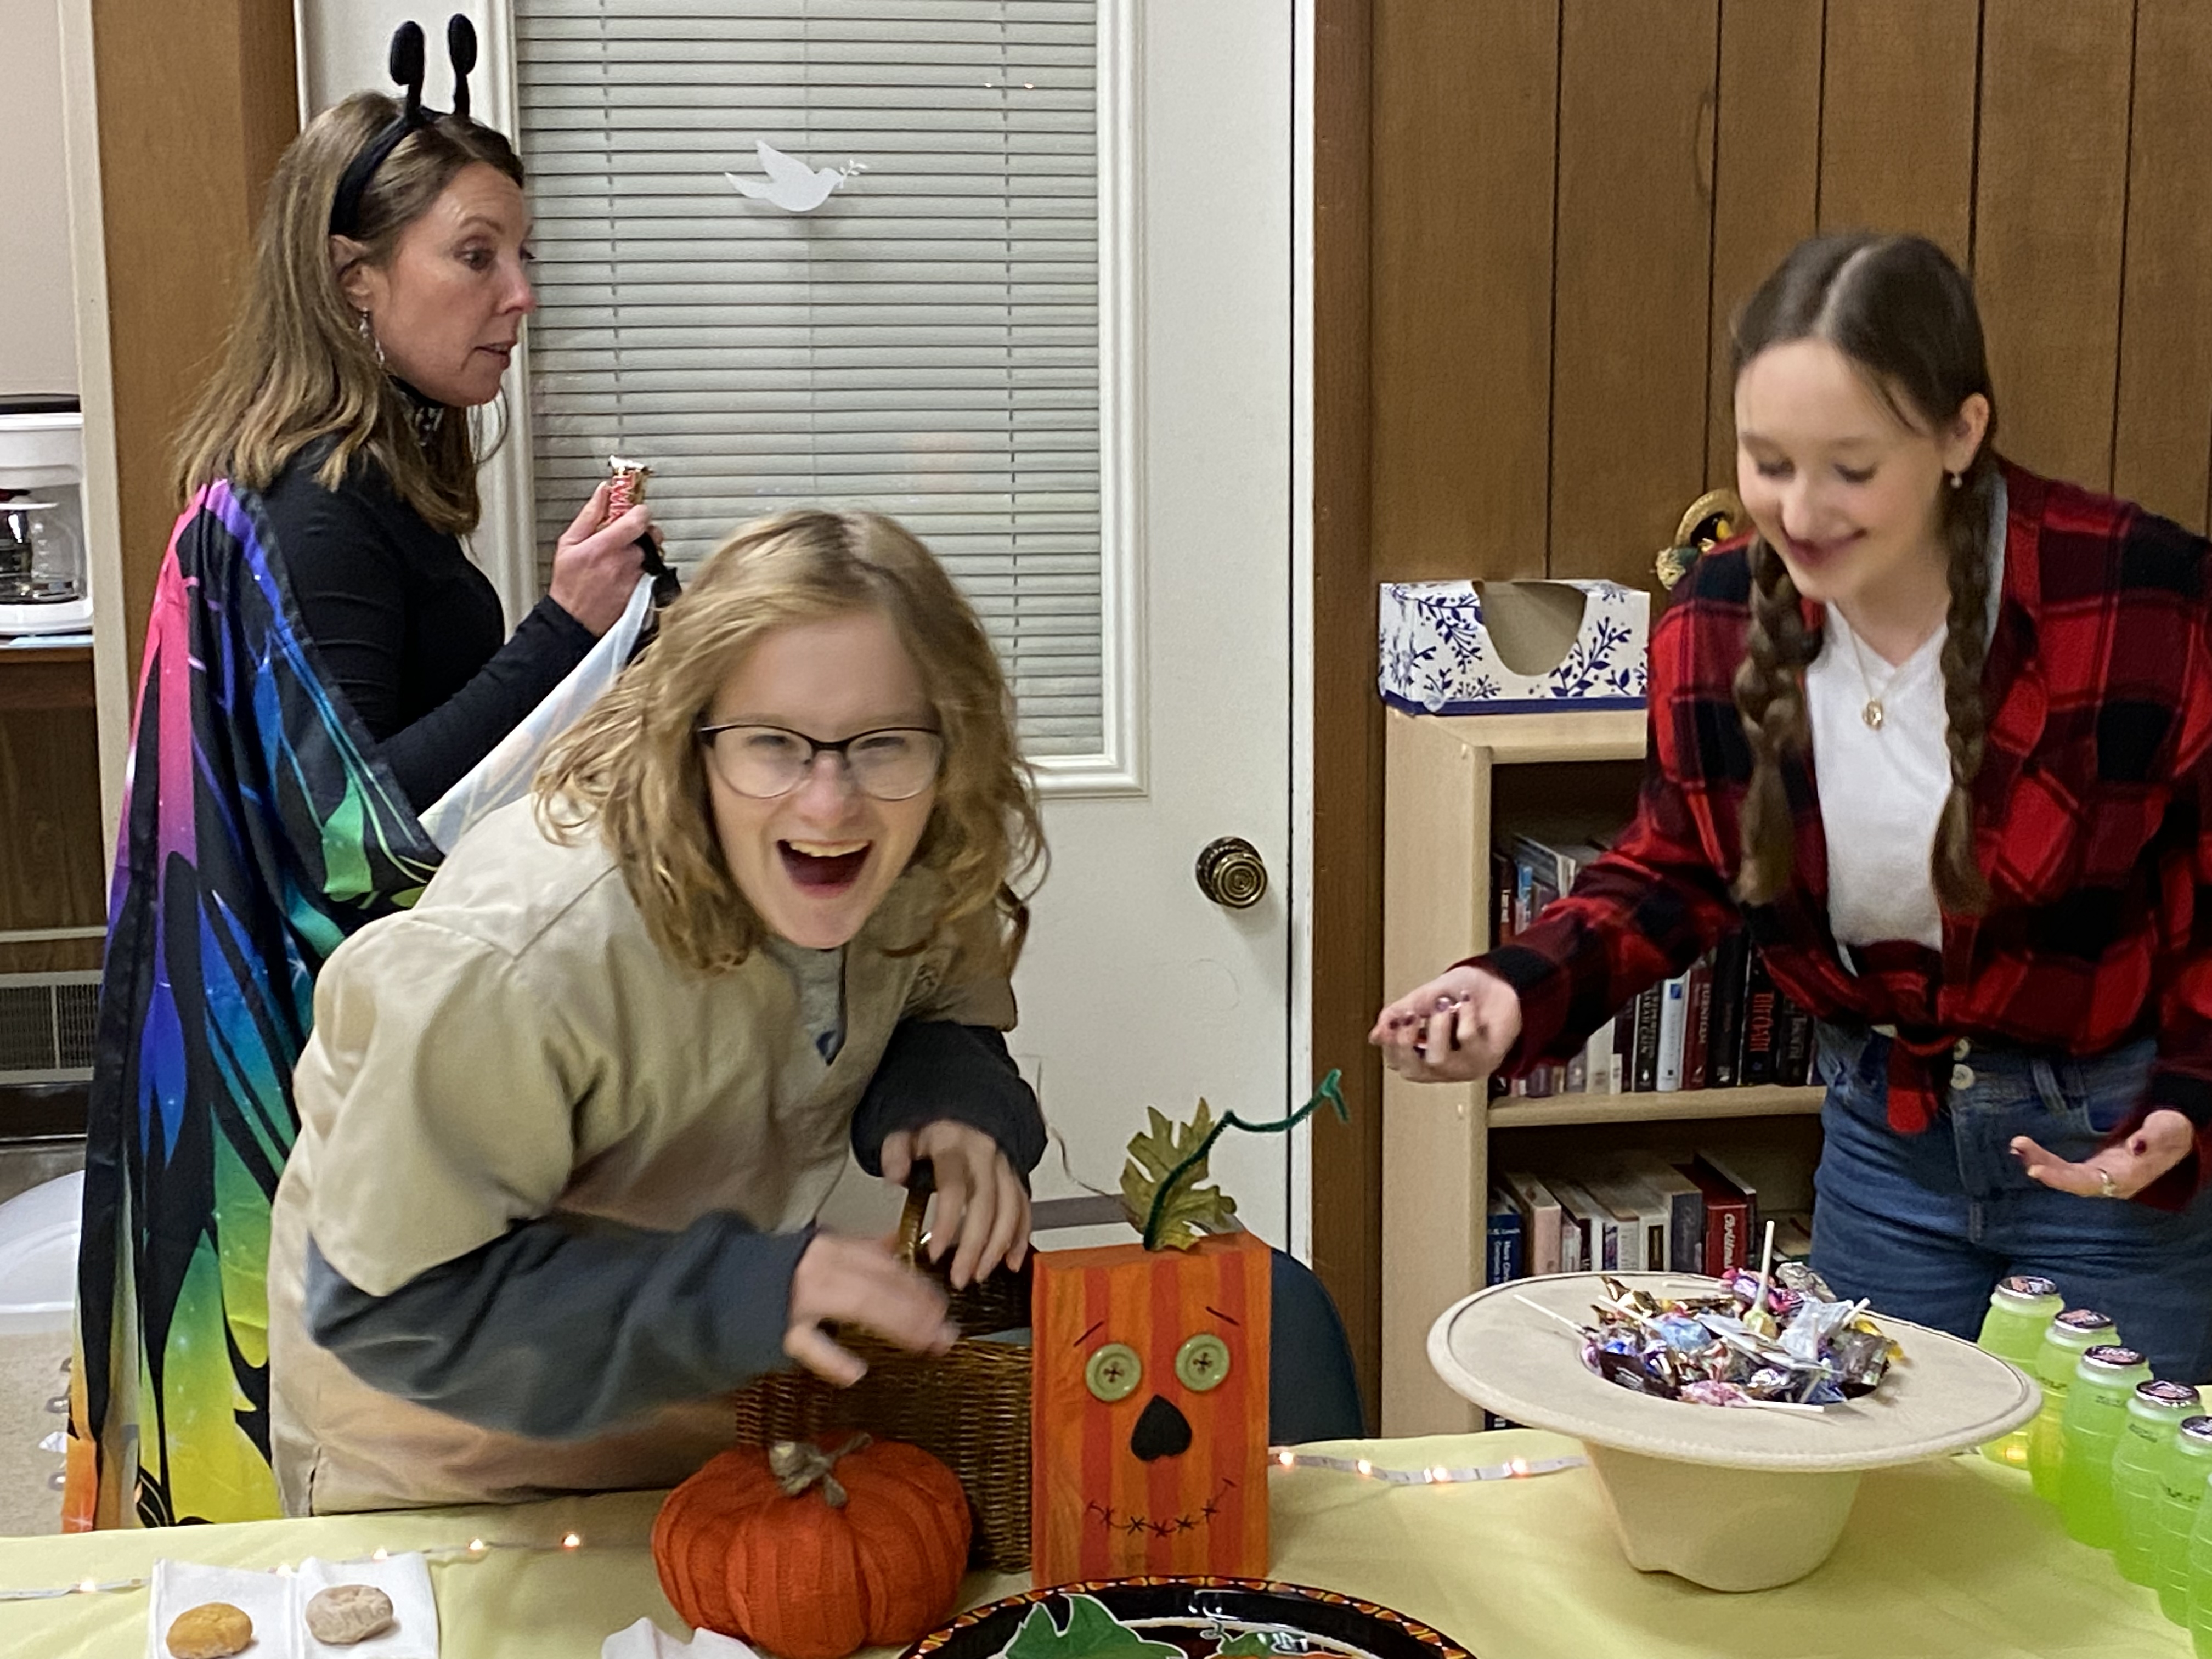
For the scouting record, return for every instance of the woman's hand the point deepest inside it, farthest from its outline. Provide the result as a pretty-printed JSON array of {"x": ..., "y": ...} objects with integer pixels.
[
  {"x": 1456, "y": 1027},
  {"x": 2120, "y": 1171},
  {"x": 595, "y": 565},
  {"x": 980, "y": 1202},
  {"x": 858, "y": 1281}
]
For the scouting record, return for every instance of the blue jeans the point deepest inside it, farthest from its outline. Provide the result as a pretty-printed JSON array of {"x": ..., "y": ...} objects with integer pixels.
[{"x": 1924, "y": 1225}]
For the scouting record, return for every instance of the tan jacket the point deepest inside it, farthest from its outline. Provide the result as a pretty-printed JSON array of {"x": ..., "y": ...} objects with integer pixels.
[{"x": 516, "y": 1046}]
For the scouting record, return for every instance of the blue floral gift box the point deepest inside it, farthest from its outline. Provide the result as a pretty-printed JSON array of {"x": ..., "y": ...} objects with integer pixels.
[{"x": 1513, "y": 648}]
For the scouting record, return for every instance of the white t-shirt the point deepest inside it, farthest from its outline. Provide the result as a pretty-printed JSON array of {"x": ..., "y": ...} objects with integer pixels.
[{"x": 1882, "y": 791}]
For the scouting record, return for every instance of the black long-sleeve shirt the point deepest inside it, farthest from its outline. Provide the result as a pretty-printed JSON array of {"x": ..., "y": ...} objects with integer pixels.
[{"x": 406, "y": 630}]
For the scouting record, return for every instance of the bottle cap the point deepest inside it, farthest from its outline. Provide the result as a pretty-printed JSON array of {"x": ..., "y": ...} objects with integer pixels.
[
  {"x": 2197, "y": 1432},
  {"x": 2166, "y": 1397},
  {"x": 2025, "y": 1287},
  {"x": 2108, "y": 1357},
  {"x": 2076, "y": 1323}
]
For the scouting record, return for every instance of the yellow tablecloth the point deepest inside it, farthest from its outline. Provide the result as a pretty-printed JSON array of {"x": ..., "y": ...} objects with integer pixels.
[{"x": 1943, "y": 1559}]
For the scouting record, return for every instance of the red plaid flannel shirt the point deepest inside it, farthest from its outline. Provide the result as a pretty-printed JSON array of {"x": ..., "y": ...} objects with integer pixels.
[{"x": 2093, "y": 820}]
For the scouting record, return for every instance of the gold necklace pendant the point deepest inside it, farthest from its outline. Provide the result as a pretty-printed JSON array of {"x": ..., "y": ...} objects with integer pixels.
[{"x": 1872, "y": 714}]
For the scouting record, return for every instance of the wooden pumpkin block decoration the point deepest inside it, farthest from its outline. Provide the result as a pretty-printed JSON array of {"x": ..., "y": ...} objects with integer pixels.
[{"x": 1149, "y": 1411}]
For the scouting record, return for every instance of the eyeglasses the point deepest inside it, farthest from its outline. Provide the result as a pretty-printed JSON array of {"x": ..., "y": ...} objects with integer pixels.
[{"x": 894, "y": 763}]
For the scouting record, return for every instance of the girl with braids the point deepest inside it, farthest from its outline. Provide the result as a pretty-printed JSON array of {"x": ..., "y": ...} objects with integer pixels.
[{"x": 1938, "y": 734}]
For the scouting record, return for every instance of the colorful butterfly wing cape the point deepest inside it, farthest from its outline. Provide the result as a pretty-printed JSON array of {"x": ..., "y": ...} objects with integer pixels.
[{"x": 258, "y": 830}]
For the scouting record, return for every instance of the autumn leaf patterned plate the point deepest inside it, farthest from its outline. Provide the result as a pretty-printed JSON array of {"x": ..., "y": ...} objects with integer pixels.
[{"x": 1184, "y": 1618}]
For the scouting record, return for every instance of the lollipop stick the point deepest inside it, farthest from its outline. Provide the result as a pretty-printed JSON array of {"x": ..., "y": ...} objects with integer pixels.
[
  {"x": 1765, "y": 1262},
  {"x": 1548, "y": 1314}
]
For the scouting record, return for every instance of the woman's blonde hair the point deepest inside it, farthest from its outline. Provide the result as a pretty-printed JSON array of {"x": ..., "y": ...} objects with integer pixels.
[
  {"x": 634, "y": 767},
  {"x": 297, "y": 365}
]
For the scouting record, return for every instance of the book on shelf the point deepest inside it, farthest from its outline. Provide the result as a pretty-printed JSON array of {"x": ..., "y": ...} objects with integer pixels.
[
  {"x": 1503, "y": 1239},
  {"x": 1761, "y": 1031},
  {"x": 1683, "y": 1203},
  {"x": 1640, "y": 1216},
  {"x": 1595, "y": 1234},
  {"x": 1698, "y": 1024},
  {"x": 1731, "y": 1168},
  {"x": 1674, "y": 1007},
  {"x": 1539, "y": 1222},
  {"x": 1795, "y": 1064},
  {"x": 1649, "y": 1004},
  {"x": 1727, "y": 1216},
  {"x": 1724, "y": 1024}
]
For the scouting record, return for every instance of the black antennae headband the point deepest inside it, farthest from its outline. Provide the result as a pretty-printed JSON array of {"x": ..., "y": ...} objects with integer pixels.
[{"x": 406, "y": 65}]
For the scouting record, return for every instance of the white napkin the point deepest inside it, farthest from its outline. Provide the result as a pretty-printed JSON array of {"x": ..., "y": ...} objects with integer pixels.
[
  {"x": 405, "y": 1578},
  {"x": 277, "y": 1602},
  {"x": 647, "y": 1640},
  {"x": 261, "y": 1596}
]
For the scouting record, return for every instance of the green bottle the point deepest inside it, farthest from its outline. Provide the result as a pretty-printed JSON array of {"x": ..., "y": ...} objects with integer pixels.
[
  {"x": 2096, "y": 1417},
  {"x": 2021, "y": 1309},
  {"x": 2188, "y": 1467},
  {"x": 2071, "y": 1335},
  {"x": 2200, "y": 1582},
  {"x": 2156, "y": 1413}
]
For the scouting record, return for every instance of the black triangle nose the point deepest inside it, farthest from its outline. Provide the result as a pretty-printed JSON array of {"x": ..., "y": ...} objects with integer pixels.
[{"x": 1161, "y": 1432}]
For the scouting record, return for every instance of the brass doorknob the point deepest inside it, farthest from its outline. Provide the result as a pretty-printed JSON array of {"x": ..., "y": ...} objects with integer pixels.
[{"x": 1232, "y": 873}]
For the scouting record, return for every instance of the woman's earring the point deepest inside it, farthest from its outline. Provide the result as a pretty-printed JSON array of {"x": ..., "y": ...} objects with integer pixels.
[
  {"x": 369, "y": 334},
  {"x": 1958, "y": 479}
]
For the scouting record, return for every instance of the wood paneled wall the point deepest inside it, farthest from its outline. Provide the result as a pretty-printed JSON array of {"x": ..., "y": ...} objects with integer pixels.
[
  {"x": 195, "y": 107},
  {"x": 1561, "y": 204}
]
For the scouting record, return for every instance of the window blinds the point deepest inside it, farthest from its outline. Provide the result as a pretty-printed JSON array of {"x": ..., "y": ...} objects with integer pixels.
[{"x": 925, "y": 343}]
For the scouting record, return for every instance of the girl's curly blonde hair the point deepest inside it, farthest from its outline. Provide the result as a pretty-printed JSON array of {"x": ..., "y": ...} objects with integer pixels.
[{"x": 634, "y": 765}]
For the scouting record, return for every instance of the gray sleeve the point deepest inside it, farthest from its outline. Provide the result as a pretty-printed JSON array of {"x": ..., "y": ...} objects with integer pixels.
[
  {"x": 558, "y": 1333},
  {"x": 934, "y": 1070}
]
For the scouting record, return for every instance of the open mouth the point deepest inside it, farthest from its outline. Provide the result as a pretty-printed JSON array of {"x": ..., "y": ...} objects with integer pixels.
[
  {"x": 825, "y": 868},
  {"x": 1820, "y": 552}
]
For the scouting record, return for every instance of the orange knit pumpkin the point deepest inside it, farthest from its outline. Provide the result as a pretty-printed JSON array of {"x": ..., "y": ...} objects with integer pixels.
[{"x": 804, "y": 1577}]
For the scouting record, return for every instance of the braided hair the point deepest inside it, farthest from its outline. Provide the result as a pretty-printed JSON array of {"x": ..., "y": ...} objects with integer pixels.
[{"x": 1903, "y": 314}]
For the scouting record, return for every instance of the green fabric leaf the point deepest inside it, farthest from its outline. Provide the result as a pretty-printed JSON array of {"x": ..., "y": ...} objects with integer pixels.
[
  {"x": 1190, "y": 1212},
  {"x": 1091, "y": 1633},
  {"x": 1252, "y": 1644}
]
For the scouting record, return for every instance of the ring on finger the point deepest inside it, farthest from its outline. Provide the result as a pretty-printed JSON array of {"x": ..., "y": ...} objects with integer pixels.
[{"x": 2106, "y": 1187}]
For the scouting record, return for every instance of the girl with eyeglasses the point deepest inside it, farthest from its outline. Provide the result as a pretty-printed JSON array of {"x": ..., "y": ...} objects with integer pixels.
[{"x": 566, "y": 1124}]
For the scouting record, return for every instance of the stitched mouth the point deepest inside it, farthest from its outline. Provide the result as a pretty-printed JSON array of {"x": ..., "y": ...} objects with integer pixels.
[{"x": 1111, "y": 1519}]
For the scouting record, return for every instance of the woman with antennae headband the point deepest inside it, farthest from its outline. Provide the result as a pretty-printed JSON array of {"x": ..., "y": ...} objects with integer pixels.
[
  {"x": 322, "y": 663},
  {"x": 1938, "y": 735}
]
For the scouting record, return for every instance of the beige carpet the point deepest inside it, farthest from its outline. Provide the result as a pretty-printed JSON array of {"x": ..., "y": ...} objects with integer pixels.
[{"x": 32, "y": 1371}]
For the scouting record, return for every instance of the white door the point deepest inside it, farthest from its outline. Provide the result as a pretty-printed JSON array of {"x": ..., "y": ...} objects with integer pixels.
[{"x": 1137, "y": 990}]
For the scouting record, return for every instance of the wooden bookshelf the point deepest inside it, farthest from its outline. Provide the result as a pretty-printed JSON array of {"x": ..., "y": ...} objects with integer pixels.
[
  {"x": 1447, "y": 780},
  {"x": 1677, "y": 1106}
]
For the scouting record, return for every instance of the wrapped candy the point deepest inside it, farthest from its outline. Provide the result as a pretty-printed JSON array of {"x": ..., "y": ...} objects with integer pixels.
[{"x": 1784, "y": 1343}]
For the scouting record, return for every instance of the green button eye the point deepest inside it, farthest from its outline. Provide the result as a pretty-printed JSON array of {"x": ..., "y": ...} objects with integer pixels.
[
  {"x": 1113, "y": 1372},
  {"x": 1202, "y": 1362}
]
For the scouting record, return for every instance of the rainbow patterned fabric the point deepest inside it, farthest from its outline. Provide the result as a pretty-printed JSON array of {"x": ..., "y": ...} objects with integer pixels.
[{"x": 257, "y": 832}]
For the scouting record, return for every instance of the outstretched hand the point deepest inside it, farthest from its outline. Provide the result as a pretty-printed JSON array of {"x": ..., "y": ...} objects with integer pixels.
[
  {"x": 2119, "y": 1171},
  {"x": 1456, "y": 1027}
]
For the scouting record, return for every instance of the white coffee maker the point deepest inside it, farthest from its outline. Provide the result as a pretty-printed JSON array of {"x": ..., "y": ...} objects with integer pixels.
[{"x": 45, "y": 586}]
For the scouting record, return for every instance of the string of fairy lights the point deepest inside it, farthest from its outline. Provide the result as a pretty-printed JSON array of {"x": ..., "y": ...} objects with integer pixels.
[{"x": 476, "y": 1549}]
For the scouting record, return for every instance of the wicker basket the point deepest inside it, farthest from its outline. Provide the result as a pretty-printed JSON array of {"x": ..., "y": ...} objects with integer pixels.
[{"x": 970, "y": 1408}]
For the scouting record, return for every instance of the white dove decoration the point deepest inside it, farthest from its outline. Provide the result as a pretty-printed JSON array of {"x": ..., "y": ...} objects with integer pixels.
[{"x": 791, "y": 184}]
